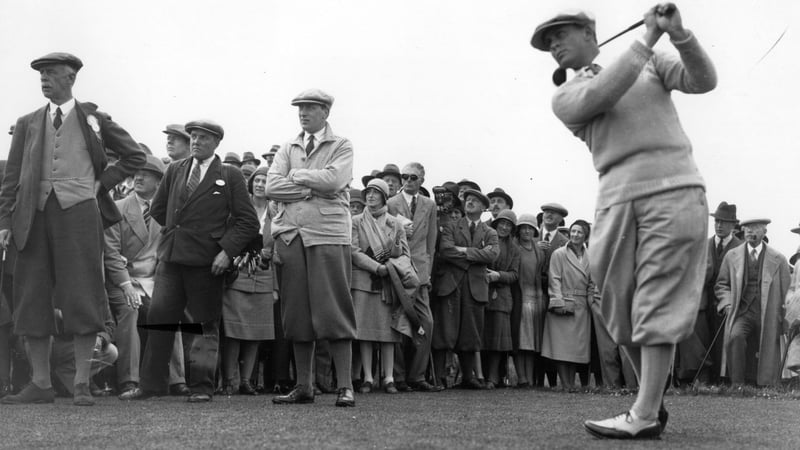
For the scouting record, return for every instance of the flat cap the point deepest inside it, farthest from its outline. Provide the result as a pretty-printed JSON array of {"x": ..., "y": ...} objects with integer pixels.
[
  {"x": 207, "y": 126},
  {"x": 755, "y": 221},
  {"x": 154, "y": 164},
  {"x": 479, "y": 195},
  {"x": 555, "y": 207},
  {"x": 57, "y": 58},
  {"x": 313, "y": 96},
  {"x": 580, "y": 18},
  {"x": 176, "y": 129}
]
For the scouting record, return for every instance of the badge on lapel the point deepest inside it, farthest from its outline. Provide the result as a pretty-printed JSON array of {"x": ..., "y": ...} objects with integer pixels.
[
  {"x": 94, "y": 124},
  {"x": 220, "y": 182}
]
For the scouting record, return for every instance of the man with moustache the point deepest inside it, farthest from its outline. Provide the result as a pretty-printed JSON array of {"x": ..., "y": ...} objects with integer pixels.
[
  {"x": 751, "y": 288},
  {"x": 412, "y": 359},
  {"x": 499, "y": 200},
  {"x": 55, "y": 202},
  {"x": 177, "y": 142},
  {"x": 207, "y": 219},
  {"x": 309, "y": 179}
]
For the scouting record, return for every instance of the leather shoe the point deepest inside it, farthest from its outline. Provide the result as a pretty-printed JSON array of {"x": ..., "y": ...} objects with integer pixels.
[
  {"x": 179, "y": 390},
  {"x": 345, "y": 397},
  {"x": 300, "y": 394},
  {"x": 402, "y": 386},
  {"x": 82, "y": 395},
  {"x": 5, "y": 390},
  {"x": 246, "y": 389},
  {"x": 136, "y": 393},
  {"x": 390, "y": 388},
  {"x": 624, "y": 426},
  {"x": 424, "y": 386},
  {"x": 366, "y": 387},
  {"x": 198, "y": 397},
  {"x": 30, "y": 394},
  {"x": 472, "y": 383}
]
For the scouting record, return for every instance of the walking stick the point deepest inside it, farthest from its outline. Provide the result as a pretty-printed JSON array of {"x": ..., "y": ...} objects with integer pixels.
[
  {"x": 792, "y": 335},
  {"x": 710, "y": 348}
]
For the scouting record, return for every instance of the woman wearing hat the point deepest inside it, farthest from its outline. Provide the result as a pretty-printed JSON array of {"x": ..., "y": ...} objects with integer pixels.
[
  {"x": 247, "y": 312},
  {"x": 377, "y": 237},
  {"x": 529, "y": 309},
  {"x": 567, "y": 328},
  {"x": 501, "y": 274}
]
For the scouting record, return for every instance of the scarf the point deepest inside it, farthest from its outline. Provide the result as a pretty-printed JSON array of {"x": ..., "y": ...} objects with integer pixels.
[{"x": 373, "y": 224}]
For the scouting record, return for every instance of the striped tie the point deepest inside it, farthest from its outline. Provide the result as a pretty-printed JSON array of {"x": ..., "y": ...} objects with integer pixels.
[
  {"x": 57, "y": 120},
  {"x": 194, "y": 179},
  {"x": 310, "y": 146},
  {"x": 146, "y": 214}
]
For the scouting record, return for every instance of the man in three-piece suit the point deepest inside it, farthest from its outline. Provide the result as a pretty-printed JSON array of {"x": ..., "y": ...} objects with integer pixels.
[
  {"x": 130, "y": 263},
  {"x": 466, "y": 249},
  {"x": 692, "y": 350},
  {"x": 751, "y": 289},
  {"x": 55, "y": 202},
  {"x": 412, "y": 360},
  {"x": 207, "y": 219}
]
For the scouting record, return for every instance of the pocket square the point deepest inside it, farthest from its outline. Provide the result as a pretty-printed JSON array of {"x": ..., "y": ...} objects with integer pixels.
[{"x": 216, "y": 193}]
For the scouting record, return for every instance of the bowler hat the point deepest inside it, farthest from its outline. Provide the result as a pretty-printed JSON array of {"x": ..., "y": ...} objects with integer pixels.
[
  {"x": 378, "y": 185},
  {"x": 57, "y": 58},
  {"x": 499, "y": 192},
  {"x": 527, "y": 219},
  {"x": 176, "y": 129},
  {"x": 232, "y": 158},
  {"x": 580, "y": 18},
  {"x": 389, "y": 169},
  {"x": 506, "y": 214},
  {"x": 555, "y": 207},
  {"x": 250, "y": 157},
  {"x": 205, "y": 125},
  {"x": 355, "y": 196},
  {"x": 154, "y": 164},
  {"x": 365, "y": 179},
  {"x": 274, "y": 149},
  {"x": 313, "y": 96},
  {"x": 725, "y": 212},
  {"x": 469, "y": 183},
  {"x": 484, "y": 199},
  {"x": 755, "y": 221}
]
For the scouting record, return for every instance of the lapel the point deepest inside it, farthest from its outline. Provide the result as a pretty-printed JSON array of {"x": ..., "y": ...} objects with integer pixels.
[
  {"x": 133, "y": 215},
  {"x": 93, "y": 142},
  {"x": 768, "y": 270},
  {"x": 480, "y": 234},
  {"x": 738, "y": 265},
  {"x": 572, "y": 258},
  {"x": 213, "y": 174},
  {"x": 181, "y": 177},
  {"x": 36, "y": 128},
  {"x": 463, "y": 228}
]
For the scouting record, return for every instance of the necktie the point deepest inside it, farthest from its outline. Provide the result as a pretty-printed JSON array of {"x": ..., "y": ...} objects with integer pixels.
[
  {"x": 413, "y": 205},
  {"x": 310, "y": 146},
  {"x": 57, "y": 120},
  {"x": 720, "y": 248},
  {"x": 753, "y": 255},
  {"x": 146, "y": 214},
  {"x": 547, "y": 236},
  {"x": 471, "y": 229},
  {"x": 194, "y": 179}
]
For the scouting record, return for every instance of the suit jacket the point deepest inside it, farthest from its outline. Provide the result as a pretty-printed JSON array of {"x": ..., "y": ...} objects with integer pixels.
[
  {"x": 775, "y": 281},
  {"x": 559, "y": 240},
  {"x": 423, "y": 240},
  {"x": 20, "y": 190},
  {"x": 482, "y": 250},
  {"x": 129, "y": 255},
  {"x": 218, "y": 215},
  {"x": 713, "y": 264}
]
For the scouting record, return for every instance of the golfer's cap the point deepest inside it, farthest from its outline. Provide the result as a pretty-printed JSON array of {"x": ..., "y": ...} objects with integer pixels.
[
  {"x": 57, "y": 58},
  {"x": 313, "y": 96},
  {"x": 572, "y": 17},
  {"x": 755, "y": 221},
  {"x": 205, "y": 125}
]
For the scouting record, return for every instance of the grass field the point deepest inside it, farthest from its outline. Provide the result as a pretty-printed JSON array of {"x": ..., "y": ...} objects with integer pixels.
[{"x": 504, "y": 418}]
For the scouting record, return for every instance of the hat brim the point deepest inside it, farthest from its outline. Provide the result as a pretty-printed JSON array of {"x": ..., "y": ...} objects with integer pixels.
[
  {"x": 796, "y": 230},
  {"x": 207, "y": 130},
  {"x": 745, "y": 223},
  {"x": 724, "y": 219},
  {"x": 483, "y": 198},
  {"x": 252, "y": 160},
  {"x": 39, "y": 63},
  {"x": 307, "y": 101},
  {"x": 505, "y": 197},
  {"x": 178, "y": 133}
]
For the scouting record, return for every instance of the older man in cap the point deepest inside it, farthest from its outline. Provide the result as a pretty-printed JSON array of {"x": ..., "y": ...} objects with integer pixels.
[
  {"x": 751, "y": 288},
  {"x": 130, "y": 263},
  {"x": 55, "y": 202},
  {"x": 466, "y": 249},
  {"x": 207, "y": 219},
  {"x": 650, "y": 188},
  {"x": 310, "y": 179},
  {"x": 695, "y": 348},
  {"x": 177, "y": 142}
]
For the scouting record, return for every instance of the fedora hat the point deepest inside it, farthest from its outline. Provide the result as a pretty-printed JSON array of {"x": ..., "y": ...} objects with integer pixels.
[
  {"x": 499, "y": 192},
  {"x": 232, "y": 158},
  {"x": 479, "y": 195},
  {"x": 250, "y": 157},
  {"x": 725, "y": 212},
  {"x": 389, "y": 169},
  {"x": 366, "y": 178}
]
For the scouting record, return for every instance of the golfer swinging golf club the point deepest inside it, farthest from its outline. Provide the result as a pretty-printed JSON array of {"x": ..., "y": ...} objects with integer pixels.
[{"x": 648, "y": 246}]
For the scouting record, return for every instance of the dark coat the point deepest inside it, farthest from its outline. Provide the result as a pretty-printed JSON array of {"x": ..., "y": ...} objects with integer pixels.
[
  {"x": 507, "y": 265},
  {"x": 713, "y": 264},
  {"x": 481, "y": 251},
  {"x": 20, "y": 190},
  {"x": 217, "y": 216}
]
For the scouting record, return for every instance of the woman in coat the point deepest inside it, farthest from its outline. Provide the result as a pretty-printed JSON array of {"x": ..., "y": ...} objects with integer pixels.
[
  {"x": 529, "y": 309},
  {"x": 502, "y": 273},
  {"x": 377, "y": 236},
  {"x": 247, "y": 312},
  {"x": 567, "y": 328}
]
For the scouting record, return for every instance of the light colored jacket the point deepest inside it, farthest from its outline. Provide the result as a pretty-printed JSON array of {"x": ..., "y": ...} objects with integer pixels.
[
  {"x": 423, "y": 240},
  {"x": 130, "y": 248},
  {"x": 312, "y": 191}
]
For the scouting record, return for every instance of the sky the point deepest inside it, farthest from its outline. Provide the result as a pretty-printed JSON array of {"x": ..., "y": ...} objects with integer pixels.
[{"x": 454, "y": 85}]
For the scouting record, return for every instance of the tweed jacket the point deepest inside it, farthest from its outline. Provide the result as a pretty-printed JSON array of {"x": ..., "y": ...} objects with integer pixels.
[
  {"x": 423, "y": 240},
  {"x": 775, "y": 281},
  {"x": 482, "y": 250},
  {"x": 20, "y": 189}
]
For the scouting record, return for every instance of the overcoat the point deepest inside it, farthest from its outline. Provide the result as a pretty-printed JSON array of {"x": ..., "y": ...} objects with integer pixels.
[{"x": 775, "y": 281}]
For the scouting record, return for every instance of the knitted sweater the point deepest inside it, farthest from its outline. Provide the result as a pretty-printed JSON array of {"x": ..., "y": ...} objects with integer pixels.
[{"x": 625, "y": 115}]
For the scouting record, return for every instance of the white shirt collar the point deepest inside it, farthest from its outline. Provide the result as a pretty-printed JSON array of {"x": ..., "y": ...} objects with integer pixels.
[
  {"x": 725, "y": 241},
  {"x": 757, "y": 249},
  {"x": 66, "y": 108},
  {"x": 552, "y": 234},
  {"x": 317, "y": 137},
  {"x": 408, "y": 197}
]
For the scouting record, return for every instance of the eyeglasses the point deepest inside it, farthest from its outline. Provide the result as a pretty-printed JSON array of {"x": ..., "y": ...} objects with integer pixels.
[{"x": 407, "y": 177}]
